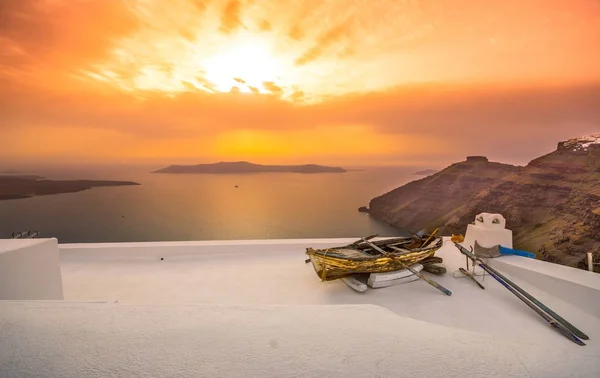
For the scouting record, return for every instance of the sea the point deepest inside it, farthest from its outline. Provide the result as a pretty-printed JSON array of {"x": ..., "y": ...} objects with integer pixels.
[{"x": 185, "y": 207}]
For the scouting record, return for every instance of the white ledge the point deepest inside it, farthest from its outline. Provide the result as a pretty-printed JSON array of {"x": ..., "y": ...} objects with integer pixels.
[
  {"x": 325, "y": 326},
  {"x": 205, "y": 243},
  {"x": 576, "y": 286},
  {"x": 273, "y": 272},
  {"x": 70, "y": 340},
  {"x": 30, "y": 269},
  {"x": 566, "y": 273}
]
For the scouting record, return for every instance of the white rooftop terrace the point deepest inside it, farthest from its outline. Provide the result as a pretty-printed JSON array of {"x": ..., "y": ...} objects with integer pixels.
[{"x": 254, "y": 308}]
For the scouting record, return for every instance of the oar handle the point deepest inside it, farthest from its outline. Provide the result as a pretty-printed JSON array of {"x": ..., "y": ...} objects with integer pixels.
[
  {"x": 436, "y": 285},
  {"x": 431, "y": 282}
]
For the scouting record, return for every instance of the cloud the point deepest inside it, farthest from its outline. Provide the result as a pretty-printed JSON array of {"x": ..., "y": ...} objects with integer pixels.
[
  {"x": 153, "y": 115},
  {"x": 84, "y": 30},
  {"x": 135, "y": 70},
  {"x": 230, "y": 17},
  {"x": 430, "y": 122},
  {"x": 296, "y": 33},
  {"x": 272, "y": 87},
  {"x": 325, "y": 41},
  {"x": 307, "y": 12},
  {"x": 153, "y": 44},
  {"x": 200, "y": 4},
  {"x": 513, "y": 121},
  {"x": 436, "y": 110},
  {"x": 265, "y": 26}
]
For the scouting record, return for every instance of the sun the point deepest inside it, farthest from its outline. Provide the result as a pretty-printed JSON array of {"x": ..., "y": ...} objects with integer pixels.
[
  {"x": 245, "y": 62},
  {"x": 246, "y": 66}
]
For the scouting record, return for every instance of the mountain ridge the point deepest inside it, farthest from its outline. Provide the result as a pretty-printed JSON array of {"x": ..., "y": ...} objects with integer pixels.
[{"x": 552, "y": 204}]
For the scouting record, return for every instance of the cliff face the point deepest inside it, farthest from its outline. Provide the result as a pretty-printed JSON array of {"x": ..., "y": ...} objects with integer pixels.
[{"x": 552, "y": 204}]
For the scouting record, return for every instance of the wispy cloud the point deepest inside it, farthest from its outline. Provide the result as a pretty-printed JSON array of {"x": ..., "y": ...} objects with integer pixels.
[
  {"x": 230, "y": 18},
  {"x": 157, "y": 45},
  {"x": 325, "y": 41},
  {"x": 150, "y": 76},
  {"x": 441, "y": 112},
  {"x": 265, "y": 26}
]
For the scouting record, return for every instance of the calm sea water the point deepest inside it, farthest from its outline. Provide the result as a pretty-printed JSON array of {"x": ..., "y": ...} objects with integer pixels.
[{"x": 207, "y": 207}]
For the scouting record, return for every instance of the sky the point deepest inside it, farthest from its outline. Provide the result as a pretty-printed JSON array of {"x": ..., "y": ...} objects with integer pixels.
[{"x": 334, "y": 82}]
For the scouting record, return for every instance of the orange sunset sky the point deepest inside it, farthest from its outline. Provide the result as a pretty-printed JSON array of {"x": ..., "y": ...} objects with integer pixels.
[{"x": 344, "y": 82}]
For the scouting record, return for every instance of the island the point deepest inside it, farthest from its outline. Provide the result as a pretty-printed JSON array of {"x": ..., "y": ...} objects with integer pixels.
[
  {"x": 26, "y": 186},
  {"x": 246, "y": 167}
]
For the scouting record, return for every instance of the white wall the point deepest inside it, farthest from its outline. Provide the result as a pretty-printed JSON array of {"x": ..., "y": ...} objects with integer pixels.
[
  {"x": 30, "y": 269},
  {"x": 181, "y": 250},
  {"x": 576, "y": 286},
  {"x": 72, "y": 340}
]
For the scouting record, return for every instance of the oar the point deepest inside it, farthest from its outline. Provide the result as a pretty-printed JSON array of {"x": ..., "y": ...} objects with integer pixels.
[
  {"x": 558, "y": 326},
  {"x": 405, "y": 266},
  {"x": 429, "y": 238},
  {"x": 558, "y": 322},
  {"x": 354, "y": 244},
  {"x": 360, "y": 241}
]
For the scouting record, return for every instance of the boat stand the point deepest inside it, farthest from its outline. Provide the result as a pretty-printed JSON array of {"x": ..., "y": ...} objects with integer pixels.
[{"x": 473, "y": 269}]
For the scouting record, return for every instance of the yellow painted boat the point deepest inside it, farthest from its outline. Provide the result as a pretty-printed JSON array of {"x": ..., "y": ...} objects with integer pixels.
[{"x": 339, "y": 262}]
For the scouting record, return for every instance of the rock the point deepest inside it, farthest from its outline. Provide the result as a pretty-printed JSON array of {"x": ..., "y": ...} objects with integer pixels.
[
  {"x": 433, "y": 201},
  {"x": 477, "y": 159},
  {"x": 431, "y": 260},
  {"x": 363, "y": 209},
  {"x": 434, "y": 269}
]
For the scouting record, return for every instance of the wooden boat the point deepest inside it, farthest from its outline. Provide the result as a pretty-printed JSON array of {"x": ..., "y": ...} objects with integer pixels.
[{"x": 340, "y": 262}]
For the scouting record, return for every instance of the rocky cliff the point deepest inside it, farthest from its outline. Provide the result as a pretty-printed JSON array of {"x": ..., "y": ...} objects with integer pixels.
[{"x": 552, "y": 204}]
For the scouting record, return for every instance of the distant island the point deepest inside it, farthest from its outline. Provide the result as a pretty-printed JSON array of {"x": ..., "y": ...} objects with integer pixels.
[
  {"x": 246, "y": 167},
  {"x": 26, "y": 186},
  {"x": 426, "y": 172}
]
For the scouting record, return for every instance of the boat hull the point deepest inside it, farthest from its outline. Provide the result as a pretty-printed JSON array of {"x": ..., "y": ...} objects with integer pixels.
[{"x": 335, "y": 263}]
